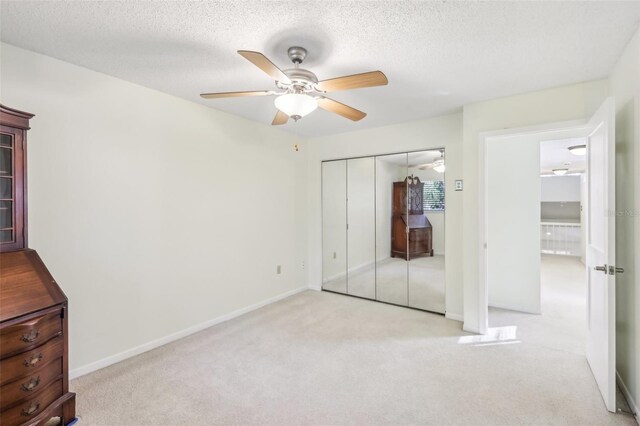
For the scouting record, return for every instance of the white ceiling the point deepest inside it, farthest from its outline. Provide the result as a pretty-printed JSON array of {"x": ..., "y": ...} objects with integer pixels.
[
  {"x": 437, "y": 55},
  {"x": 554, "y": 154}
]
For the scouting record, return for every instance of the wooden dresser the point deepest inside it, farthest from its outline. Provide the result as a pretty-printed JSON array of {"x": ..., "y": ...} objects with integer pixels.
[
  {"x": 411, "y": 231},
  {"x": 34, "y": 363}
]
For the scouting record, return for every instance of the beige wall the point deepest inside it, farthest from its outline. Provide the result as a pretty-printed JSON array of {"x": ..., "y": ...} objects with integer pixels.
[
  {"x": 566, "y": 103},
  {"x": 153, "y": 213},
  {"x": 625, "y": 87}
]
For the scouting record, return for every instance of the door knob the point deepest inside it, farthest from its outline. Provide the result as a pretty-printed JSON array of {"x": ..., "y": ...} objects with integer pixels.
[{"x": 602, "y": 269}]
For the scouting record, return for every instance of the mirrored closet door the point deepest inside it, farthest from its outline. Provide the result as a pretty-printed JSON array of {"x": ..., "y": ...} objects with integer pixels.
[
  {"x": 391, "y": 208},
  {"x": 426, "y": 229},
  {"x": 361, "y": 229},
  {"x": 383, "y": 228}
]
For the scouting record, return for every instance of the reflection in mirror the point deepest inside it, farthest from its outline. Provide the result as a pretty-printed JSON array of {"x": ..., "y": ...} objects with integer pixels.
[
  {"x": 426, "y": 230},
  {"x": 361, "y": 230},
  {"x": 334, "y": 226},
  {"x": 391, "y": 207}
]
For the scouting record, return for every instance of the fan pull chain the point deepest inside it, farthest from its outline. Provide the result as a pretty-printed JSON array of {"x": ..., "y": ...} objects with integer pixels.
[{"x": 296, "y": 133}]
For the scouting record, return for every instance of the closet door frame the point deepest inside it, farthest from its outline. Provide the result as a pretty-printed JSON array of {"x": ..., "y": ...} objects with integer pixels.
[{"x": 322, "y": 189}]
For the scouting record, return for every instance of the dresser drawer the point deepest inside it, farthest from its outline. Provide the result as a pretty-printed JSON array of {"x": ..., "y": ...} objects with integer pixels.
[
  {"x": 27, "y": 410},
  {"x": 27, "y": 386},
  {"x": 30, "y": 362},
  {"x": 26, "y": 335}
]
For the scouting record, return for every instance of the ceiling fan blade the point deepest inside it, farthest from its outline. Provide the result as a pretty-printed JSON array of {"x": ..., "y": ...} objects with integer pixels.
[
  {"x": 280, "y": 118},
  {"x": 236, "y": 94},
  {"x": 262, "y": 62},
  {"x": 356, "y": 81},
  {"x": 341, "y": 109}
]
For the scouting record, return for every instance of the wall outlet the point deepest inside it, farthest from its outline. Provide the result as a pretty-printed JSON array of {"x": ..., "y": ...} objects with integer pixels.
[
  {"x": 303, "y": 264},
  {"x": 459, "y": 185},
  {"x": 279, "y": 269}
]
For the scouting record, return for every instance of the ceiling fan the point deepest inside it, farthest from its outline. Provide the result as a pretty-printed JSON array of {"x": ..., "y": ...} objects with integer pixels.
[
  {"x": 299, "y": 91},
  {"x": 437, "y": 164}
]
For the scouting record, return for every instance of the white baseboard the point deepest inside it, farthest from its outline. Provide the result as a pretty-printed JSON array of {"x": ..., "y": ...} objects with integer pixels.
[
  {"x": 455, "y": 317},
  {"x": 470, "y": 329},
  {"x": 627, "y": 394},
  {"x": 513, "y": 308},
  {"x": 315, "y": 288},
  {"x": 110, "y": 360}
]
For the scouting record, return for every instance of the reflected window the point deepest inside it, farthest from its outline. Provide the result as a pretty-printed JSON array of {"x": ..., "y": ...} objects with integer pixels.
[{"x": 433, "y": 195}]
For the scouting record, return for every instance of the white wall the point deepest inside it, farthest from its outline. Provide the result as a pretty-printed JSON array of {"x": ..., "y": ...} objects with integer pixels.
[
  {"x": 153, "y": 213},
  {"x": 560, "y": 188},
  {"x": 577, "y": 101},
  {"x": 334, "y": 212},
  {"x": 625, "y": 87},
  {"x": 424, "y": 134},
  {"x": 583, "y": 217},
  {"x": 513, "y": 228}
]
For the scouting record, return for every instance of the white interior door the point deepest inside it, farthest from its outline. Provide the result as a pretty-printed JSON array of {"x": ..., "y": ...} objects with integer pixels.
[{"x": 601, "y": 296}]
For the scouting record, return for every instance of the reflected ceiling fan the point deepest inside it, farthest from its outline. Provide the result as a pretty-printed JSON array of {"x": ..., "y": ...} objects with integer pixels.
[
  {"x": 437, "y": 165},
  {"x": 299, "y": 91}
]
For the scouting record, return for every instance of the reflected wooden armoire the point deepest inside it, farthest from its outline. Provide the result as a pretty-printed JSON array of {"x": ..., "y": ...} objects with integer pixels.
[
  {"x": 411, "y": 232},
  {"x": 34, "y": 354}
]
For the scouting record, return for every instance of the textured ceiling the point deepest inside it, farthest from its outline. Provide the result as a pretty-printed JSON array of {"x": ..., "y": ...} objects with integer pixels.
[{"x": 437, "y": 55}]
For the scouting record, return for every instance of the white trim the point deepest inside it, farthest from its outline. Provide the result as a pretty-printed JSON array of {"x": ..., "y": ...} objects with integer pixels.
[
  {"x": 112, "y": 359},
  {"x": 627, "y": 395},
  {"x": 455, "y": 317},
  {"x": 470, "y": 329},
  {"x": 513, "y": 308},
  {"x": 315, "y": 288},
  {"x": 483, "y": 289}
]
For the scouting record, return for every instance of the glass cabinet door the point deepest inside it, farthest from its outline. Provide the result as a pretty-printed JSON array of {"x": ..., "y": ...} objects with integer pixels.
[{"x": 7, "y": 200}]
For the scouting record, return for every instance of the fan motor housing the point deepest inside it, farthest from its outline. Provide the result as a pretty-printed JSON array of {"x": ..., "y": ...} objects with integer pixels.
[{"x": 301, "y": 80}]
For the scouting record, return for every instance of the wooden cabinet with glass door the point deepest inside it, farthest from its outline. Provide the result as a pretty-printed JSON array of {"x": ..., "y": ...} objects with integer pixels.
[{"x": 13, "y": 195}]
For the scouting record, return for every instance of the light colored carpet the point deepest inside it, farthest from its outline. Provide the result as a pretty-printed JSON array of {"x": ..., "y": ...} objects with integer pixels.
[
  {"x": 562, "y": 324},
  {"x": 419, "y": 283},
  {"x": 327, "y": 359}
]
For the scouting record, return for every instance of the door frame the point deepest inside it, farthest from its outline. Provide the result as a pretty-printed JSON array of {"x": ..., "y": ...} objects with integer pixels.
[
  {"x": 322, "y": 242},
  {"x": 483, "y": 138}
]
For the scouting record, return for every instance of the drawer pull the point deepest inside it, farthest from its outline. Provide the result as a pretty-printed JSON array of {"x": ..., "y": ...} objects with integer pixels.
[
  {"x": 31, "y": 336},
  {"x": 35, "y": 406},
  {"x": 33, "y": 361},
  {"x": 31, "y": 385}
]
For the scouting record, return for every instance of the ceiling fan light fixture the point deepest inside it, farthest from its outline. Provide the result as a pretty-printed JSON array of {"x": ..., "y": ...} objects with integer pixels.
[
  {"x": 296, "y": 105},
  {"x": 578, "y": 149},
  {"x": 560, "y": 172},
  {"x": 439, "y": 168}
]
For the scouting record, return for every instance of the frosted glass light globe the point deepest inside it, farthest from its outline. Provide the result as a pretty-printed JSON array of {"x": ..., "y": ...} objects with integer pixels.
[{"x": 296, "y": 104}]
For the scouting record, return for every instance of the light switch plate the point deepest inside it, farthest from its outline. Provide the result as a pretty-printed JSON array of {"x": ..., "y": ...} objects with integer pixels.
[{"x": 459, "y": 185}]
